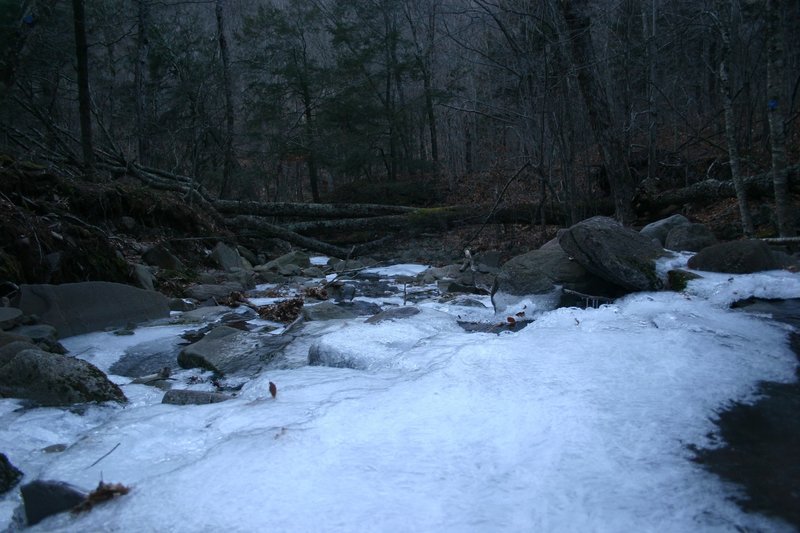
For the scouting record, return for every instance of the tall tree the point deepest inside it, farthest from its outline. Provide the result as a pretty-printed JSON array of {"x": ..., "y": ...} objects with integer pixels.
[
  {"x": 422, "y": 21},
  {"x": 723, "y": 15},
  {"x": 140, "y": 79},
  {"x": 84, "y": 98},
  {"x": 227, "y": 167},
  {"x": 597, "y": 105},
  {"x": 776, "y": 103},
  {"x": 288, "y": 80}
]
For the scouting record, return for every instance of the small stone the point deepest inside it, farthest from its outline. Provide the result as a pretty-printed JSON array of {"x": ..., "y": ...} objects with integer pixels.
[
  {"x": 193, "y": 397},
  {"x": 8, "y": 317},
  {"x": 393, "y": 313}
]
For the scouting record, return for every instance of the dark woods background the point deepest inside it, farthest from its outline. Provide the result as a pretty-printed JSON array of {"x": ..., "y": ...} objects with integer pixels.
[{"x": 410, "y": 102}]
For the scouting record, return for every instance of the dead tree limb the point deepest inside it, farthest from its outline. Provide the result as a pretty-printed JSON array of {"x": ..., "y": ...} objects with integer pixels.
[
  {"x": 286, "y": 209},
  {"x": 273, "y": 230},
  {"x": 715, "y": 189}
]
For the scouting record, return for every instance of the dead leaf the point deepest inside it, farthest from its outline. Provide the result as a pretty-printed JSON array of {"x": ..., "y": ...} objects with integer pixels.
[
  {"x": 273, "y": 390},
  {"x": 103, "y": 493}
]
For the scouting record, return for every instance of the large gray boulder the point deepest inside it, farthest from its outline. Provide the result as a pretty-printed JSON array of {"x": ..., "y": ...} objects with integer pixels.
[
  {"x": 690, "y": 238},
  {"x": 226, "y": 257},
  {"x": 77, "y": 308},
  {"x": 55, "y": 380},
  {"x": 617, "y": 254},
  {"x": 659, "y": 229},
  {"x": 225, "y": 350},
  {"x": 160, "y": 256},
  {"x": 538, "y": 271},
  {"x": 541, "y": 272},
  {"x": 736, "y": 257}
]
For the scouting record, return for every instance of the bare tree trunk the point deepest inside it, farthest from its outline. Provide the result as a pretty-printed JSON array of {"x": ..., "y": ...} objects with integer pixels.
[
  {"x": 84, "y": 99},
  {"x": 651, "y": 87},
  {"x": 228, "y": 89},
  {"x": 311, "y": 159},
  {"x": 776, "y": 102},
  {"x": 597, "y": 104},
  {"x": 423, "y": 58},
  {"x": 730, "y": 126},
  {"x": 140, "y": 77}
]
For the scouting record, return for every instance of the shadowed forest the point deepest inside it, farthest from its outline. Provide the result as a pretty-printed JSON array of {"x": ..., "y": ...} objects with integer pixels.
[{"x": 569, "y": 107}]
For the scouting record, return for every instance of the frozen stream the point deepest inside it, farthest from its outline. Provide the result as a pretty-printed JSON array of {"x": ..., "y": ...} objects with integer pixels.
[{"x": 578, "y": 422}]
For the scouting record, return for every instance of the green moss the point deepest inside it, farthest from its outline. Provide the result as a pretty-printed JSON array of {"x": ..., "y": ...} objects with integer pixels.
[
  {"x": 432, "y": 218},
  {"x": 678, "y": 279}
]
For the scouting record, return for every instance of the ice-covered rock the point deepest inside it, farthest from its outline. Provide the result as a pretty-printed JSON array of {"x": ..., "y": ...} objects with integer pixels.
[{"x": 384, "y": 344}]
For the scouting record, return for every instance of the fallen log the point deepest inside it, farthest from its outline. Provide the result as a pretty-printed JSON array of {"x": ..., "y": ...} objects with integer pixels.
[
  {"x": 419, "y": 220},
  {"x": 760, "y": 184},
  {"x": 273, "y": 230},
  {"x": 288, "y": 209}
]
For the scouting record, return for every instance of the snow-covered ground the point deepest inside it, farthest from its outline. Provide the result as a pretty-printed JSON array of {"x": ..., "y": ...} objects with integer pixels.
[{"x": 578, "y": 422}]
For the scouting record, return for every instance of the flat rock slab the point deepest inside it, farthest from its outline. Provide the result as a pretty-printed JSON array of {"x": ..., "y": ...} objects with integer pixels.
[
  {"x": 615, "y": 253},
  {"x": 342, "y": 310},
  {"x": 78, "y": 308},
  {"x": 207, "y": 291},
  {"x": 392, "y": 314},
  {"x": 193, "y": 397},
  {"x": 225, "y": 350}
]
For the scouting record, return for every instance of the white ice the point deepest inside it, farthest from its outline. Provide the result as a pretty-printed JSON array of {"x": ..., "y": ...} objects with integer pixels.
[
  {"x": 403, "y": 269},
  {"x": 579, "y": 422}
]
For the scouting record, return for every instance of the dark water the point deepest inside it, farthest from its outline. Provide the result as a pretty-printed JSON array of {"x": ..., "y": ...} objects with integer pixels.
[{"x": 761, "y": 451}]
